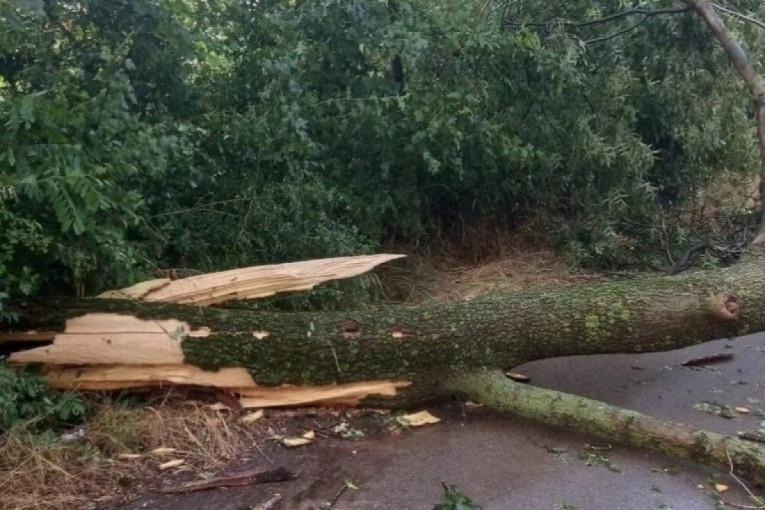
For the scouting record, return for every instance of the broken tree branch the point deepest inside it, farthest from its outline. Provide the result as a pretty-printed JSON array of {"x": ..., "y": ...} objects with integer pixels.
[
  {"x": 646, "y": 13},
  {"x": 494, "y": 390},
  {"x": 739, "y": 15}
]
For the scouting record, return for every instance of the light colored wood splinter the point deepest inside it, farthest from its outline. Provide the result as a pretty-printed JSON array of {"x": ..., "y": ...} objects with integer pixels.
[
  {"x": 251, "y": 282},
  {"x": 108, "y": 338}
]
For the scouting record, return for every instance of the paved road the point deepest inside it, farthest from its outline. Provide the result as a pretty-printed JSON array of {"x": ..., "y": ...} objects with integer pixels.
[{"x": 502, "y": 463}]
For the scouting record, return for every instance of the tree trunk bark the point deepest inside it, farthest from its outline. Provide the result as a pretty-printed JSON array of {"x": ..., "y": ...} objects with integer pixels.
[
  {"x": 754, "y": 82},
  {"x": 415, "y": 344}
]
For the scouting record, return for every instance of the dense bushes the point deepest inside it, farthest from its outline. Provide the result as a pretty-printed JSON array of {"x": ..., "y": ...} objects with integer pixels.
[
  {"x": 142, "y": 134},
  {"x": 24, "y": 398}
]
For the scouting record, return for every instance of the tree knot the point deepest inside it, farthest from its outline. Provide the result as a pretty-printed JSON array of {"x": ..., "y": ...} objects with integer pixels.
[{"x": 726, "y": 306}]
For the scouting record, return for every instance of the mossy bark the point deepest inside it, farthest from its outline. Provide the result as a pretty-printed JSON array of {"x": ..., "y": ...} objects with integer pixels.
[
  {"x": 615, "y": 425},
  {"x": 417, "y": 343}
]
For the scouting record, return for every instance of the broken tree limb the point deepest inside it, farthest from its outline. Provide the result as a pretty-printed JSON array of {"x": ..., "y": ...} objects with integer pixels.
[
  {"x": 494, "y": 390},
  {"x": 398, "y": 344},
  {"x": 250, "y": 282}
]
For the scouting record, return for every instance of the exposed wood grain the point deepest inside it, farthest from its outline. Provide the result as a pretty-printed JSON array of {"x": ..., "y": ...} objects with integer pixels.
[
  {"x": 252, "y": 282},
  {"x": 107, "y": 338}
]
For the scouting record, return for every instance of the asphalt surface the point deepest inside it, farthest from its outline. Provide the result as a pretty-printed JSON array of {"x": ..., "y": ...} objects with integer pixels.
[{"x": 506, "y": 463}]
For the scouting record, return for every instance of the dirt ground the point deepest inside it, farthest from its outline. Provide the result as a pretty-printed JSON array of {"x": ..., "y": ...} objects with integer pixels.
[{"x": 505, "y": 463}]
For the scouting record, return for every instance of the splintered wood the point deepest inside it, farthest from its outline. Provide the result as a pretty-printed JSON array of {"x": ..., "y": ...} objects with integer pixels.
[
  {"x": 251, "y": 282},
  {"x": 109, "y": 351},
  {"x": 105, "y": 338}
]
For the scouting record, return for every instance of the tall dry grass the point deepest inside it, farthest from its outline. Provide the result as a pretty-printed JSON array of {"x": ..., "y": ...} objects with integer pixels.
[{"x": 113, "y": 458}]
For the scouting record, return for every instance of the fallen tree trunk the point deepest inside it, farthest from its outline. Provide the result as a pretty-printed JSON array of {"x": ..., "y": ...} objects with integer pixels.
[
  {"x": 401, "y": 356},
  {"x": 404, "y": 343},
  {"x": 493, "y": 389},
  {"x": 409, "y": 346}
]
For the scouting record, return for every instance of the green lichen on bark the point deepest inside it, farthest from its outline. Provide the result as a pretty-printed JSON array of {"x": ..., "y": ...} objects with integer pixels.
[
  {"x": 413, "y": 343},
  {"x": 493, "y": 389}
]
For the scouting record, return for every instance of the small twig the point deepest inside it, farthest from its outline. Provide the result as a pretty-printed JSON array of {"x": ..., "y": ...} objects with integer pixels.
[
  {"x": 628, "y": 12},
  {"x": 271, "y": 504},
  {"x": 617, "y": 34},
  {"x": 260, "y": 451},
  {"x": 334, "y": 354},
  {"x": 739, "y": 15},
  {"x": 718, "y": 498},
  {"x": 332, "y": 502},
  {"x": 742, "y": 484},
  {"x": 322, "y": 432},
  {"x": 238, "y": 479}
]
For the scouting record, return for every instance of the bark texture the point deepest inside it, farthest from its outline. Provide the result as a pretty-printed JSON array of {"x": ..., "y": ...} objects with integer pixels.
[
  {"x": 416, "y": 344},
  {"x": 492, "y": 388}
]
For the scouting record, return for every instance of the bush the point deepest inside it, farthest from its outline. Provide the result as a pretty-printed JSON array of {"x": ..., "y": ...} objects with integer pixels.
[{"x": 24, "y": 397}]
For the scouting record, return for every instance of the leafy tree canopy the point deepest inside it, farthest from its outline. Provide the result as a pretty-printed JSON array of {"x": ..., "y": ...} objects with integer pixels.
[{"x": 145, "y": 134}]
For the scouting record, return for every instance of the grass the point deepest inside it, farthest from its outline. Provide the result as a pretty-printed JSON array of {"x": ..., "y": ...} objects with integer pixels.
[
  {"x": 496, "y": 262},
  {"x": 47, "y": 470}
]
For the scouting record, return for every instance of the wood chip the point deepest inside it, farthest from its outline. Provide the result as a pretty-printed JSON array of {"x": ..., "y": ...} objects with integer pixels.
[
  {"x": 171, "y": 464},
  {"x": 294, "y": 442},
  {"x": 252, "y": 417},
  {"x": 233, "y": 480},
  {"x": 721, "y": 488},
  {"x": 163, "y": 450},
  {"x": 521, "y": 378},
  {"x": 417, "y": 419},
  {"x": 271, "y": 504},
  {"x": 218, "y": 406}
]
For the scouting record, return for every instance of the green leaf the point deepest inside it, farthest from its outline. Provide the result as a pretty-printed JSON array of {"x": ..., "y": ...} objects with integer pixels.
[{"x": 453, "y": 499}]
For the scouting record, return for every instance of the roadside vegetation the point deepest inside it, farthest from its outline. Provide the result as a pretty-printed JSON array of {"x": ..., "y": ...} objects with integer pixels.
[{"x": 504, "y": 145}]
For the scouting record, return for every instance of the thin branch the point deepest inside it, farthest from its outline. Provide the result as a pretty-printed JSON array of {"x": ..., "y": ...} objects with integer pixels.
[
  {"x": 739, "y": 15},
  {"x": 646, "y": 13},
  {"x": 617, "y": 34},
  {"x": 630, "y": 12},
  {"x": 742, "y": 484}
]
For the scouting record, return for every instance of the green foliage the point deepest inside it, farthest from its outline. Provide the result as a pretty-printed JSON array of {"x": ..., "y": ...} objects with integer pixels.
[
  {"x": 210, "y": 134},
  {"x": 453, "y": 499},
  {"x": 24, "y": 397}
]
